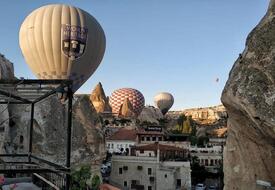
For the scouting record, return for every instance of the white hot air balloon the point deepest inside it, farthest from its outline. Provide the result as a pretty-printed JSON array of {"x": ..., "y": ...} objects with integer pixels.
[
  {"x": 62, "y": 42},
  {"x": 164, "y": 101}
]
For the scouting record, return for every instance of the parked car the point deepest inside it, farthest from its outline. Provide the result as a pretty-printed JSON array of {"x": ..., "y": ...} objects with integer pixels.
[{"x": 200, "y": 186}]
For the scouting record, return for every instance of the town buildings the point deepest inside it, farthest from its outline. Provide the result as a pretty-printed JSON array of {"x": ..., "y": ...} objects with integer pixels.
[
  {"x": 210, "y": 157},
  {"x": 152, "y": 167},
  {"x": 121, "y": 141}
]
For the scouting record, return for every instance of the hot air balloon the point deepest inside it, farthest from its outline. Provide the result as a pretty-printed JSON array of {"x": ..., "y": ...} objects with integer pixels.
[
  {"x": 62, "y": 42},
  {"x": 134, "y": 96},
  {"x": 164, "y": 101}
]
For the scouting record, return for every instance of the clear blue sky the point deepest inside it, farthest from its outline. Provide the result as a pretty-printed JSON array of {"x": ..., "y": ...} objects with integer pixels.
[{"x": 179, "y": 46}]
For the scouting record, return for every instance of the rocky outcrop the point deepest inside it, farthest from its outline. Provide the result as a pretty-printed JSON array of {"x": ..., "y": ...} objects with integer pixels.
[
  {"x": 49, "y": 136},
  {"x": 206, "y": 115},
  {"x": 126, "y": 109},
  {"x": 6, "y": 72},
  {"x": 249, "y": 98},
  {"x": 99, "y": 99},
  {"x": 6, "y": 68},
  {"x": 150, "y": 114}
]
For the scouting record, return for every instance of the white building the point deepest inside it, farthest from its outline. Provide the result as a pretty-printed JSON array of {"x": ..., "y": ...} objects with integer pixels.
[
  {"x": 152, "y": 169},
  {"x": 121, "y": 141},
  {"x": 210, "y": 157}
]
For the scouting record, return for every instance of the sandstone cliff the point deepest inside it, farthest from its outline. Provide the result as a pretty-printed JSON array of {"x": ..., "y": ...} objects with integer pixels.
[
  {"x": 249, "y": 98},
  {"x": 99, "y": 99},
  {"x": 206, "y": 115}
]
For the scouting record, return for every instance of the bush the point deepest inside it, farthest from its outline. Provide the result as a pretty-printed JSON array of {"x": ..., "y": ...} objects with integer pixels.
[{"x": 81, "y": 178}]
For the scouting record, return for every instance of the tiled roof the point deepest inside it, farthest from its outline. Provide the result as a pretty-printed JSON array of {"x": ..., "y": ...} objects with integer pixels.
[{"x": 124, "y": 134}]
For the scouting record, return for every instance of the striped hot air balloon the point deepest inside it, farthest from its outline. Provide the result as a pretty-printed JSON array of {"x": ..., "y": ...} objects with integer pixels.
[
  {"x": 134, "y": 96},
  {"x": 62, "y": 42},
  {"x": 164, "y": 101}
]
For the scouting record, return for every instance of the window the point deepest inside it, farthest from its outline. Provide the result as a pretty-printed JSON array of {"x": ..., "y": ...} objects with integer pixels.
[
  {"x": 21, "y": 139},
  {"x": 178, "y": 183},
  {"x": 211, "y": 162},
  {"x": 149, "y": 187},
  {"x": 117, "y": 145},
  {"x": 206, "y": 162},
  {"x": 149, "y": 171},
  {"x": 112, "y": 145},
  {"x": 120, "y": 171},
  {"x": 165, "y": 175},
  {"x": 108, "y": 145},
  {"x": 147, "y": 138},
  {"x": 142, "y": 138},
  {"x": 2, "y": 129},
  {"x": 134, "y": 182},
  {"x": 160, "y": 138},
  {"x": 125, "y": 183},
  {"x": 141, "y": 151},
  {"x": 150, "y": 154},
  {"x": 154, "y": 138}
]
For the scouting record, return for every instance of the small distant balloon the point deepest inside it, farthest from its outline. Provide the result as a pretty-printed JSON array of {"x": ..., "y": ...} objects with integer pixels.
[
  {"x": 164, "y": 101},
  {"x": 217, "y": 79}
]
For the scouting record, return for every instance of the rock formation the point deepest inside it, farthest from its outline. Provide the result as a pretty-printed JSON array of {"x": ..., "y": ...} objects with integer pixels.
[
  {"x": 6, "y": 72},
  {"x": 126, "y": 109},
  {"x": 150, "y": 114},
  {"x": 49, "y": 135},
  {"x": 206, "y": 115},
  {"x": 249, "y": 98},
  {"x": 99, "y": 99},
  {"x": 6, "y": 68}
]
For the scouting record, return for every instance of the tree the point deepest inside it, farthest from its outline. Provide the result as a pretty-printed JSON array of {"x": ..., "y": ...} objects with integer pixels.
[
  {"x": 95, "y": 182},
  {"x": 82, "y": 177},
  {"x": 186, "y": 126},
  {"x": 181, "y": 119}
]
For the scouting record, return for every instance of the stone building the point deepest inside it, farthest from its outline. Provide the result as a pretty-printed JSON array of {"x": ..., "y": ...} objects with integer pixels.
[
  {"x": 210, "y": 157},
  {"x": 155, "y": 171}
]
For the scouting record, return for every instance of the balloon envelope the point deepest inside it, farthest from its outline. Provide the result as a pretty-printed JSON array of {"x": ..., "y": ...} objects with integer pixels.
[
  {"x": 134, "y": 96},
  {"x": 62, "y": 42},
  {"x": 164, "y": 101}
]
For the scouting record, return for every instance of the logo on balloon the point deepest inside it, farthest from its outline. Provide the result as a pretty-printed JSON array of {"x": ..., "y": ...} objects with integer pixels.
[{"x": 74, "y": 40}]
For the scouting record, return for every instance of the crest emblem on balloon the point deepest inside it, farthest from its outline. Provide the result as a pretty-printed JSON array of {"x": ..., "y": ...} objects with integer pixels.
[{"x": 74, "y": 40}]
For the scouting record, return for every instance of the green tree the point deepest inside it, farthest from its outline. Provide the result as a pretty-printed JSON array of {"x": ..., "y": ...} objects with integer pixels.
[
  {"x": 81, "y": 179},
  {"x": 181, "y": 119},
  {"x": 95, "y": 182},
  {"x": 186, "y": 126}
]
